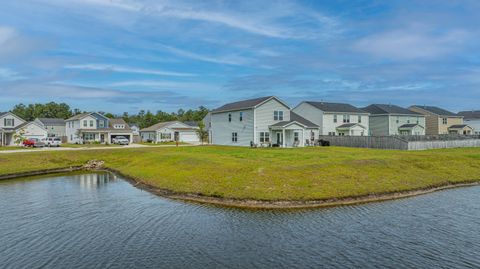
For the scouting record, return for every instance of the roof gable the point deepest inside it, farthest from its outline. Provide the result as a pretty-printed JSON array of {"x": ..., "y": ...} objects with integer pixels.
[
  {"x": 436, "y": 110},
  {"x": 470, "y": 115},
  {"x": 165, "y": 124},
  {"x": 247, "y": 104}
]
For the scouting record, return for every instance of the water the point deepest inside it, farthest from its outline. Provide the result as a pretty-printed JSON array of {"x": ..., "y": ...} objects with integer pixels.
[{"x": 100, "y": 221}]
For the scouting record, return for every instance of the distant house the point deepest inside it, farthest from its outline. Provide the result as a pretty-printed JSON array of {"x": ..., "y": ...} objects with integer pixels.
[
  {"x": 441, "y": 121},
  {"x": 335, "y": 118},
  {"x": 55, "y": 127},
  {"x": 472, "y": 118},
  {"x": 265, "y": 120},
  {"x": 12, "y": 125},
  {"x": 94, "y": 127},
  {"x": 386, "y": 120},
  {"x": 207, "y": 121},
  {"x": 170, "y": 131}
]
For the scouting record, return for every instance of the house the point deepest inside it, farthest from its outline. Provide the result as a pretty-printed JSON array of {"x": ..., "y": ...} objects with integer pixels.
[
  {"x": 472, "y": 118},
  {"x": 386, "y": 120},
  {"x": 207, "y": 121},
  {"x": 13, "y": 127},
  {"x": 94, "y": 127},
  {"x": 440, "y": 121},
  {"x": 170, "y": 131},
  {"x": 260, "y": 121},
  {"x": 335, "y": 118},
  {"x": 55, "y": 127}
]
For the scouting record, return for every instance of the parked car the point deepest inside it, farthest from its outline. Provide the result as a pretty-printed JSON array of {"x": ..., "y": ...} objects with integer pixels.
[
  {"x": 52, "y": 141},
  {"x": 121, "y": 140},
  {"x": 33, "y": 142}
]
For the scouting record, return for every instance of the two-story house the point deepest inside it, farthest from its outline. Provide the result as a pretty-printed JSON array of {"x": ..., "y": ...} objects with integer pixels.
[
  {"x": 440, "y": 121},
  {"x": 386, "y": 120},
  {"x": 335, "y": 118},
  {"x": 472, "y": 118},
  {"x": 13, "y": 129},
  {"x": 260, "y": 121},
  {"x": 94, "y": 127},
  {"x": 55, "y": 126}
]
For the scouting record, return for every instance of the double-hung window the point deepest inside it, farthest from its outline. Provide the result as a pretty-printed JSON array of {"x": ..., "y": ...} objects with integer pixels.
[
  {"x": 277, "y": 115},
  {"x": 234, "y": 137},
  {"x": 9, "y": 122},
  {"x": 85, "y": 123},
  {"x": 91, "y": 123},
  {"x": 335, "y": 118},
  {"x": 346, "y": 118},
  {"x": 229, "y": 117},
  {"x": 241, "y": 116},
  {"x": 264, "y": 137},
  {"x": 295, "y": 137},
  {"x": 445, "y": 121},
  {"x": 359, "y": 119}
]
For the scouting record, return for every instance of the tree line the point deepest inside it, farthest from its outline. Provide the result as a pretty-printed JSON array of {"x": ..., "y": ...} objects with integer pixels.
[{"x": 142, "y": 118}]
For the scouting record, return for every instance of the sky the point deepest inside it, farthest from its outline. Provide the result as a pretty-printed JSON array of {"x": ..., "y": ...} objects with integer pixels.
[{"x": 126, "y": 55}]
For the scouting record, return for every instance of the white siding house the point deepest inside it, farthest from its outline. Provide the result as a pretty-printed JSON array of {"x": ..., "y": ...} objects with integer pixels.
[
  {"x": 335, "y": 118},
  {"x": 472, "y": 118},
  {"x": 92, "y": 127},
  {"x": 260, "y": 121},
  {"x": 386, "y": 120},
  {"x": 170, "y": 131}
]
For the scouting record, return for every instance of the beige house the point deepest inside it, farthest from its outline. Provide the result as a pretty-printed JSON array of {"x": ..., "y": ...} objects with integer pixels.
[{"x": 441, "y": 121}]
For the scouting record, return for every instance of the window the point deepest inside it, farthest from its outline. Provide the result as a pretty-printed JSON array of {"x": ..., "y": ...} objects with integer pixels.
[
  {"x": 91, "y": 123},
  {"x": 166, "y": 136},
  {"x": 335, "y": 119},
  {"x": 85, "y": 123},
  {"x": 346, "y": 118},
  {"x": 408, "y": 120},
  {"x": 277, "y": 115},
  {"x": 241, "y": 116},
  {"x": 71, "y": 137},
  {"x": 89, "y": 136},
  {"x": 234, "y": 137},
  {"x": 264, "y": 137},
  {"x": 359, "y": 119},
  {"x": 229, "y": 117},
  {"x": 9, "y": 122},
  {"x": 101, "y": 124},
  {"x": 418, "y": 120},
  {"x": 445, "y": 121},
  {"x": 398, "y": 119},
  {"x": 295, "y": 136}
]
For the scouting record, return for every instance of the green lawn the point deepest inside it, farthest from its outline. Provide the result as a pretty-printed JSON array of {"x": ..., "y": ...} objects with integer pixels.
[
  {"x": 68, "y": 145},
  {"x": 13, "y": 148},
  {"x": 162, "y": 143},
  {"x": 271, "y": 173}
]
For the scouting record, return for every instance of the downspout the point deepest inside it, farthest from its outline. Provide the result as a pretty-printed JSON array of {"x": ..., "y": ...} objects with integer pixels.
[{"x": 255, "y": 126}]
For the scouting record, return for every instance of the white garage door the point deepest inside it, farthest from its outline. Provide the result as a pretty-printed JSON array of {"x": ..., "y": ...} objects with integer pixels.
[{"x": 189, "y": 137}]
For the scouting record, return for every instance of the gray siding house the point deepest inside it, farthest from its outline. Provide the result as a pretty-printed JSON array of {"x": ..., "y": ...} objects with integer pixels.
[
  {"x": 260, "y": 121},
  {"x": 386, "y": 120},
  {"x": 335, "y": 118},
  {"x": 55, "y": 127}
]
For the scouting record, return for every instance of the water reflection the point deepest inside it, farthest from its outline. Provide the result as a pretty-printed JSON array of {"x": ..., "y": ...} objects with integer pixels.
[{"x": 94, "y": 181}]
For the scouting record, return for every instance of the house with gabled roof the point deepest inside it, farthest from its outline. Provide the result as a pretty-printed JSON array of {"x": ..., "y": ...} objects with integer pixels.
[
  {"x": 335, "y": 118},
  {"x": 260, "y": 121},
  {"x": 387, "y": 119},
  {"x": 441, "y": 121},
  {"x": 93, "y": 127},
  {"x": 12, "y": 126},
  {"x": 472, "y": 118},
  {"x": 171, "y": 131},
  {"x": 55, "y": 127}
]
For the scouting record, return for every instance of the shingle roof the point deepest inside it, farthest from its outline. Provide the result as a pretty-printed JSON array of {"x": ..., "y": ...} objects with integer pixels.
[
  {"x": 348, "y": 125},
  {"x": 378, "y": 109},
  {"x": 245, "y": 104},
  {"x": 3, "y": 113},
  {"x": 296, "y": 118},
  {"x": 52, "y": 121},
  {"x": 408, "y": 125},
  {"x": 336, "y": 107},
  {"x": 78, "y": 116},
  {"x": 436, "y": 110},
  {"x": 191, "y": 123},
  {"x": 468, "y": 115},
  {"x": 458, "y": 126},
  {"x": 119, "y": 121},
  {"x": 157, "y": 126}
]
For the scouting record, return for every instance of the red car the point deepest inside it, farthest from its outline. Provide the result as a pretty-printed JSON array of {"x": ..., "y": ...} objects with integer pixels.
[{"x": 33, "y": 142}]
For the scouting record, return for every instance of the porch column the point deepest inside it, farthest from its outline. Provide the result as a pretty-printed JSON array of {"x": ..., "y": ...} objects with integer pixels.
[{"x": 283, "y": 138}]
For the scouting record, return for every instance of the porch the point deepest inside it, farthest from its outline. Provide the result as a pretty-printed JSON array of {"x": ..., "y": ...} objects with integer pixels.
[
  {"x": 289, "y": 135},
  {"x": 102, "y": 137}
]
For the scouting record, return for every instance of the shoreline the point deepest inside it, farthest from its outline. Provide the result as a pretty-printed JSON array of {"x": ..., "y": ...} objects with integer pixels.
[{"x": 251, "y": 203}]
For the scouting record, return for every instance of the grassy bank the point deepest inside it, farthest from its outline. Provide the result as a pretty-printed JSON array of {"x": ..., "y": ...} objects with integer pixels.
[{"x": 270, "y": 174}]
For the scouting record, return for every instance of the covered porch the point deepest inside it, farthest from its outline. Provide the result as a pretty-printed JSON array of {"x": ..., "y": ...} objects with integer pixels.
[
  {"x": 461, "y": 129},
  {"x": 289, "y": 135},
  {"x": 411, "y": 129},
  {"x": 102, "y": 136},
  {"x": 6, "y": 137},
  {"x": 351, "y": 129}
]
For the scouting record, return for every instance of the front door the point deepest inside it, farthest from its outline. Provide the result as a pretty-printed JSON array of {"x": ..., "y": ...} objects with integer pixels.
[
  {"x": 176, "y": 136},
  {"x": 102, "y": 138},
  {"x": 279, "y": 139}
]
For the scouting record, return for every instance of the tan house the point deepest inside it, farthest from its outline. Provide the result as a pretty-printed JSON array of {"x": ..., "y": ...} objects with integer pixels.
[{"x": 441, "y": 121}]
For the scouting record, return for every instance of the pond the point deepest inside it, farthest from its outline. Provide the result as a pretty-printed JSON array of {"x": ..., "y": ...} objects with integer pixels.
[{"x": 98, "y": 220}]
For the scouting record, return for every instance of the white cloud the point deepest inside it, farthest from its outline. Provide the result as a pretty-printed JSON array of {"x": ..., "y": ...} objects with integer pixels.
[
  {"x": 123, "y": 69},
  {"x": 164, "y": 84},
  {"x": 229, "y": 59},
  {"x": 411, "y": 44}
]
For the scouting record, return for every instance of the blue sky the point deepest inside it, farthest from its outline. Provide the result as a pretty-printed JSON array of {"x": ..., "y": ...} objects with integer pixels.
[{"x": 125, "y": 55}]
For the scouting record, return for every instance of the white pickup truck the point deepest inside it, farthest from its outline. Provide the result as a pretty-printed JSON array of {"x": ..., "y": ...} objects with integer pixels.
[{"x": 52, "y": 141}]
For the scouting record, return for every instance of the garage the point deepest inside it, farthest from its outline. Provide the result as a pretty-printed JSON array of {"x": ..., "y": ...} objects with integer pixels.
[
  {"x": 188, "y": 136},
  {"x": 127, "y": 136}
]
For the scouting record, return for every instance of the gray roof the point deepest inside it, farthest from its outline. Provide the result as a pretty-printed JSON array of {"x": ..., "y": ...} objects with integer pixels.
[
  {"x": 458, "y": 126},
  {"x": 52, "y": 121},
  {"x": 3, "y": 113},
  {"x": 408, "y": 125},
  {"x": 157, "y": 126},
  {"x": 379, "y": 109},
  {"x": 437, "y": 110},
  {"x": 296, "y": 118},
  {"x": 245, "y": 104},
  {"x": 78, "y": 116},
  {"x": 119, "y": 121},
  {"x": 348, "y": 125},
  {"x": 191, "y": 123},
  {"x": 468, "y": 115},
  {"x": 336, "y": 107}
]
